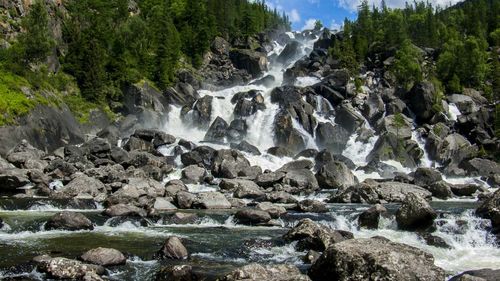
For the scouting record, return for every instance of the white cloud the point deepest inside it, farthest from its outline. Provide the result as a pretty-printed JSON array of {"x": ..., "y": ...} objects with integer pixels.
[
  {"x": 309, "y": 24},
  {"x": 352, "y": 5},
  {"x": 335, "y": 26},
  {"x": 294, "y": 16}
]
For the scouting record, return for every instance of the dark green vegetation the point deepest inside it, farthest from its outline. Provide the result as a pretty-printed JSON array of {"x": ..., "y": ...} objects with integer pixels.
[
  {"x": 460, "y": 35},
  {"x": 106, "y": 44}
]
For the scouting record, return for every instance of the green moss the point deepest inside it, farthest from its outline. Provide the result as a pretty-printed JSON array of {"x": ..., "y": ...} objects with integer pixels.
[
  {"x": 80, "y": 107},
  {"x": 13, "y": 102}
]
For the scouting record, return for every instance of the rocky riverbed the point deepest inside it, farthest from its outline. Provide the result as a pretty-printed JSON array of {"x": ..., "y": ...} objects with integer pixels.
[{"x": 274, "y": 167}]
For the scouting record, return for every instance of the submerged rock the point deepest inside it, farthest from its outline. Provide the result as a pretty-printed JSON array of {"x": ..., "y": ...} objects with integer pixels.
[
  {"x": 415, "y": 213},
  {"x": 104, "y": 257},
  {"x": 257, "y": 272},
  {"x": 173, "y": 249},
  {"x": 375, "y": 259},
  {"x": 69, "y": 221}
]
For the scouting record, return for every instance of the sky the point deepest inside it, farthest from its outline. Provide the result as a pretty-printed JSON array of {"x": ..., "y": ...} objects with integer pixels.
[{"x": 304, "y": 13}]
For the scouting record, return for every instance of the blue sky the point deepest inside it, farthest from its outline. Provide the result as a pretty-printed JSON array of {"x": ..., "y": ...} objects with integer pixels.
[{"x": 303, "y": 13}]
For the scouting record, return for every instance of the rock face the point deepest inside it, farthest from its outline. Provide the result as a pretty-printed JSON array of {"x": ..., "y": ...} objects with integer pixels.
[
  {"x": 69, "y": 221},
  {"x": 63, "y": 268},
  {"x": 104, "y": 257},
  {"x": 415, "y": 213},
  {"x": 173, "y": 249},
  {"x": 257, "y": 272},
  {"x": 314, "y": 236},
  {"x": 374, "y": 259}
]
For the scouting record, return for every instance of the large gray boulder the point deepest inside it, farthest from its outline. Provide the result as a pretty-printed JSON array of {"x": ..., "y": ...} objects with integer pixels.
[
  {"x": 193, "y": 174},
  {"x": 252, "y": 216},
  {"x": 211, "y": 200},
  {"x": 255, "y": 63},
  {"x": 104, "y": 257},
  {"x": 335, "y": 175},
  {"x": 291, "y": 51},
  {"x": 124, "y": 210},
  {"x": 63, "y": 268},
  {"x": 481, "y": 167},
  {"x": 217, "y": 131},
  {"x": 83, "y": 185},
  {"x": 370, "y": 218},
  {"x": 490, "y": 209},
  {"x": 426, "y": 176},
  {"x": 173, "y": 249},
  {"x": 257, "y": 272},
  {"x": 415, "y": 213},
  {"x": 478, "y": 275},
  {"x": 69, "y": 221},
  {"x": 230, "y": 164},
  {"x": 314, "y": 236},
  {"x": 23, "y": 152},
  {"x": 421, "y": 100},
  {"x": 375, "y": 259}
]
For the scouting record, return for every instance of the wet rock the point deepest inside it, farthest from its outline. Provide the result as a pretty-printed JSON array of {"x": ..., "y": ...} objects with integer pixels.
[
  {"x": 334, "y": 175},
  {"x": 237, "y": 130},
  {"x": 333, "y": 138},
  {"x": 315, "y": 236},
  {"x": 200, "y": 155},
  {"x": 490, "y": 209},
  {"x": 211, "y": 200},
  {"x": 371, "y": 217},
  {"x": 217, "y": 131},
  {"x": 123, "y": 210},
  {"x": 252, "y": 217},
  {"x": 367, "y": 259},
  {"x": 426, "y": 176},
  {"x": 441, "y": 190},
  {"x": 311, "y": 206},
  {"x": 415, "y": 213},
  {"x": 248, "y": 103},
  {"x": 104, "y": 257},
  {"x": 185, "y": 200},
  {"x": 454, "y": 149},
  {"x": 279, "y": 151},
  {"x": 137, "y": 144},
  {"x": 253, "y": 62},
  {"x": 421, "y": 100},
  {"x": 301, "y": 179},
  {"x": 307, "y": 153},
  {"x": 162, "y": 204},
  {"x": 348, "y": 118},
  {"x": 135, "y": 189},
  {"x": 229, "y": 164},
  {"x": 4, "y": 164},
  {"x": 464, "y": 189},
  {"x": 374, "y": 107},
  {"x": 176, "y": 273},
  {"x": 435, "y": 241},
  {"x": 173, "y": 249},
  {"x": 193, "y": 174},
  {"x": 280, "y": 197},
  {"x": 311, "y": 257},
  {"x": 183, "y": 218},
  {"x": 202, "y": 112},
  {"x": 291, "y": 51},
  {"x": 12, "y": 179},
  {"x": 63, "y": 268},
  {"x": 23, "y": 152},
  {"x": 269, "y": 179},
  {"x": 400, "y": 129},
  {"x": 274, "y": 211},
  {"x": 391, "y": 147},
  {"x": 246, "y": 147},
  {"x": 257, "y": 272},
  {"x": 478, "y": 275},
  {"x": 286, "y": 135},
  {"x": 248, "y": 189},
  {"x": 69, "y": 221},
  {"x": 481, "y": 167},
  {"x": 173, "y": 187},
  {"x": 266, "y": 81}
]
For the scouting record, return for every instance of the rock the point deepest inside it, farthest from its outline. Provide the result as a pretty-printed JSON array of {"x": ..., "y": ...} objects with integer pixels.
[
  {"x": 286, "y": 135},
  {"x": 173, "y": 249},
  {"x": 257, "y": 272},
  {"x": 248, "y": 189},
  {"x": 202, "y": 112},
  {"x": 83, "y": 185},
  {"x": 252, "y": 217},
  {"x": 212, "y": 200},
  {"x": 69, "y": 221},
  {"x": 269, "y": 179},
  {"x": 478, "y": 275},
  {"x": 274, "y": 210},
  {"x": 315, "y": 236},
  {"x": 123, "y": 210},
  {"x": 390, "y": 147},
  {"x": 237, "y": 130},
  {"x": 301, "y": 179},
  {"x": 23, "y": 152},
  {"x": 176, "y": 273},
  {"x": 421, "y": 100},
  {"x": 290, "y": 51},
  {"x": 441, "y": 190},
  {"x": 374, "y": 107},
  {"x": 183, "y": 218},
  {"x": 173, "y": 187},
  {"x": 200, "y": 155},
  {"x": 13, "y": 178},
  {"x": 375, "y": 259},
  {"x": 193, "y": 174},
  {"x": 220, "y": 46},
  {"x": 248, "y": 103},
  {"x": 415, "y": 213},
  {"x": 427, "y": 176},
  {"x": 185, "y": 200},
  {"x": 280, "y": 197},
  {"x": 454, "y": 149},
  {"x": 135, "y": 189},
  {"x": 217, "y": 131},
  {"x": 162, "y": 204},
  {"x": 335, "y": 175},
  {"x": 296, "y": 165},
  {"x": 481, "y": 167},
  {"x": 104, "y": 257},
  {"x": 307, "y": 153},
  {"x": 465, "y": 104},
  {"x": 400, "y": 127},
  {"x": 371, "y": 217},
  {"x": 246, "y": 147},
  {"x": 253, "y": 62},
  {"x": 4, "y": 164},
  {"x": 435, "y": 241},
  {"x": 464, "y": 189},
  {"x": 333, "y": 138},
  {"x": 266, "y": 81},
  {"x": 311, "y": 206},
  {"x": 63, "y": 268},
  {"x": 229, "y": 164},
  {"x": 490, "y": 209}
]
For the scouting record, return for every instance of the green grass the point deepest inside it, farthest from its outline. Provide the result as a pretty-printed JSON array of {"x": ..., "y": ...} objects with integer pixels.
[{"x": 13, "y": 102}]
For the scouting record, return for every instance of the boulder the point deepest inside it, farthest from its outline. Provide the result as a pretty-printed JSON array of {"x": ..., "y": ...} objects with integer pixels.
[
  {"x": 286, "y": 135},
  {"x": 202, "y": 112},
  {"x": 237, "y": 130},
  {"x": 279, "y": 151},
  {"x": 280, "y": 197},
  {"x": 248, "y": 189},
  {"x": 274, "y": 211},
  {"x": 83, "y": 185},
  {"x": 123, "y": 210},
  {"x": 23, "y": 152},
  {"x": 375, "y": 259},
  {"x": 13, "y": 178},
  {"x": 415, "y": 213},
  {"x": 217, "y": 131},
  {"x": 478, "y": 275},
  {"x": 311, "y": 206},
  {"x": 481, "y": 167},
  {"x": 104, "y": 257},
  {"x": 291, "y": 51},
  {"x": 255, "y": 63},
  {"x": 69, "y": 221},
  {"x": 183, "y": 218},
  {"x": 391, "y": 147},
  {"x": 185, "y": 200},
  {"x": 454, "y": 149},
  {"x": 269, "y": 179},
  {"x": 435, "y": 241},
  {"x": 246, "y": 147},
  {"x": 4, "y": 164},
  {"x": 193, "y": 174},
  {"x": 441, "y": 190},
  {"x": 211, "y": 200},
  {"x": 315, "y": 236},
  {"x": 200, "y": 155},
  {"x": 371, "y": 217},
  {"x": 173, "y": 249},
  {"x": 229, "y": 164},
  {"x": 421, "y": 100},
  {"x": 302, "y": 179},
  {"x": 252, "y": 217},
  {"x": 335, "y": 175},
  {"x": 296, "y": 165},
  {"x": 490, "y": 209},
  {"x": 176, "y": 273},
  {"x": 333, "y": 138},
  {"x": 63, "y": 268},
  {"x": 162, "y": 204},
  {"x": 464, "y": 189},
  {"x": 426, "y": 176},
  {"x": 257, "y": 272}
]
